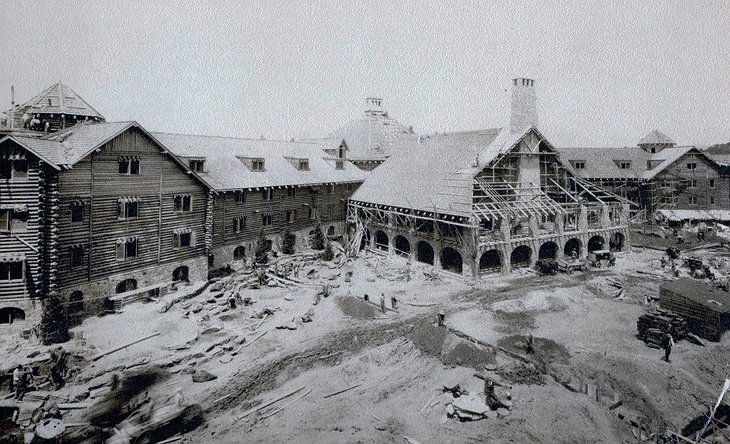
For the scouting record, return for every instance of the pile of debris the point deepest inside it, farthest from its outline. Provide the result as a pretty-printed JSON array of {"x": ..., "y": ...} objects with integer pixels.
[
  {"x": 653, "y": 327},
  {"x": 496, "y": 402}
]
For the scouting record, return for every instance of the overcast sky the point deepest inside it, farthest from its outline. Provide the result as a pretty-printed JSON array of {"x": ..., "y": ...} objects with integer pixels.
[{"x": 606, "y": 73}]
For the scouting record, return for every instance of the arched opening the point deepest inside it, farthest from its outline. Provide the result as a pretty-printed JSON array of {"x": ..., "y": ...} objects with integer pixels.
[
  {"x": 180, "y": 274},
  {"x": 571, "y": 246},
  {"x": 126, "y": 285},
  {"x": 617, "y": 242},
  {"x": 365, "y": 240},
  {"x": 490, "y": 262},
  {"x": 451, "y": 260},
  {"x": 381, "y": 240},
  {"x": 402, "y": 246},
  {"x": 424, "y": 253},
  {"x": 331, "y": 230},
  {"x": 520, "y": 257},
  {"x": 595, "y": 243},
  {"x": 548, "y": 250},
  {"x": 8, "y": 315},
  {"x": 239, "y": 253}
]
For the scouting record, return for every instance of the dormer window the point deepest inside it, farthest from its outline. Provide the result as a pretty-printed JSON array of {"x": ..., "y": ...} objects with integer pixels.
[
  {"x": 257, "y": 165},
  {"x": 624, "y": 165},
  {"x": 579, "y": 164},
  {"x": 197, "y": 165},
  {"x": 339, "y": 164},
  {"x": 303, "y": 165}
]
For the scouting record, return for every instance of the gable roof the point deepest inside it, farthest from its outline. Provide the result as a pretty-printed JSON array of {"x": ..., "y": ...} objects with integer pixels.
[
  {"x": 66, "y": 148},
  {"x": 656, "y": 137},
  {"x": 601, "y": 163},
  {"x": 435, "y": 174},
  {"x": 60, "y": 99},
  {"x": 225, "y": 168}
]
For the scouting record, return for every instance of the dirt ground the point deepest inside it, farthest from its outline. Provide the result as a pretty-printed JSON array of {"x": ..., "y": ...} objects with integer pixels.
[{"x": 586, "y": 356}]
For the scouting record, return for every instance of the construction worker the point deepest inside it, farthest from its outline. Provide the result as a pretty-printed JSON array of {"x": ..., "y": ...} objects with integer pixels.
[
  {"x": 441, "y": 318},
  {"x": 382, "y": 302},
  {"x": 17, "y": 374},
  {"x": 393, "y": 301},
  {"x": 668, "y": 344}
]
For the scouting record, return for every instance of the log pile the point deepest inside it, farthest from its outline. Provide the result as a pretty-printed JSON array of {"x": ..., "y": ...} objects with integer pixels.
[{"x": 654, "y": 326}]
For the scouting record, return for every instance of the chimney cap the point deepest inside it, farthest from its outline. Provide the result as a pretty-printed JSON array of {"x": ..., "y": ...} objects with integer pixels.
[{"x": 523, "y": 81}]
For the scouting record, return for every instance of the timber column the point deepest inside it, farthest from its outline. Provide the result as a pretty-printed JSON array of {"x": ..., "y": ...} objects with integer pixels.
[{"x": 51, "y": 221}]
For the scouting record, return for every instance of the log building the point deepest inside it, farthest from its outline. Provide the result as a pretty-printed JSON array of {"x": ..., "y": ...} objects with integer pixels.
[
  {"x": 93, "y": 214},
  {"x": 486, "y": 201},
  {"x": 270, "y": 186},
  {"x": 661, "y": 178}
]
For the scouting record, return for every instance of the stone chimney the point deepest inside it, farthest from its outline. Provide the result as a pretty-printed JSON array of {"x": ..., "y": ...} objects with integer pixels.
[{"x": 524, "y": 106}]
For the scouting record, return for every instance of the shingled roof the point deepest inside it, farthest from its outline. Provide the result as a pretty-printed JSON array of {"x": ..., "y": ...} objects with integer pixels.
[
  {"x": 435, "y": 174},
  {"x": 656, "y": 137},
  {"x": 226, "y": 169},
  {"x": 374, "y": 136}
]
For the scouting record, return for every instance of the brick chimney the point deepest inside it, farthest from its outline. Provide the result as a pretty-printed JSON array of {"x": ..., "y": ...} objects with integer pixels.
[{"x": 524, "y": 107}]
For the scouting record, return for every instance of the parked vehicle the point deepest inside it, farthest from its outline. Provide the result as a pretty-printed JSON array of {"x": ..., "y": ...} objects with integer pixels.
[{"x": 601, "y": 258}]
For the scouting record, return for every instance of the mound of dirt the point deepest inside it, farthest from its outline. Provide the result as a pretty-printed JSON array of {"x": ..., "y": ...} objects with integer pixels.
[
  {"x": 521, "y": 373},
  {"x": 355, "y": 308},
  {"x": 429, "y": 338},
  {"x": 457, "y": 351},
  {"x": 546, "y": 350}
]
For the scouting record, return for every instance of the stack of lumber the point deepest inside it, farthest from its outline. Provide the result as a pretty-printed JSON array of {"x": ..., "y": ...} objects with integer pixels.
[{"x": 654, "y": 326}]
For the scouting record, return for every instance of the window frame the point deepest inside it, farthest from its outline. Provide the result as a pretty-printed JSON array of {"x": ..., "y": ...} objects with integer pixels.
[
  {"x": 267, "y": 217},
  {"x": 8, "y": 266},
  {"x": 76, "y": 259},
  {"x": 267, "y": 194},
  {"x": 183, "y": 198},
  {"x": 75, "y": 208},
  {"x": 692, "y": 166},
  {"x": 291, "y": 216},
  {"x": 124, "y": 248},
  {"x": 711, "y": 182}
]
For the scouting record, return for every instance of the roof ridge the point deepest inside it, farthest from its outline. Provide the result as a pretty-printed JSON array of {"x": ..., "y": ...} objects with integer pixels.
[{"x": 256, "y": 139}]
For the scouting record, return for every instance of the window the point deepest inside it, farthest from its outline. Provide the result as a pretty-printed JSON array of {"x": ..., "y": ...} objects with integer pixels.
[
  {"x": 692, "y": 183},
  {"x": 579, "y": 164},
  {"x": 128, "y": 165},
  {"x": 712, "y": 200},
  {"x": 267, "y": 193},
  {"x": 182, "y": 202},
  {"x": 712, "y": 183},
  {"x": 312, "y": 213},
  {"x": 291, "y": 216},
  {"x": 303, "y": 165},
  {"x": 266, "y": 220},
  {"x": 331, "y": 189},
  {"x": 77, "y": 212},
  {"x": 624, "y": 165},
  {"x": 182, "y": 238},
  {"x": 77, "y": 256},
  {"x": 339, "y": 164},
  {"x": 128, "y": 208},
  {"x": 11, "y": 271},
  {"x": 239, "y": 253},
  {"x": 291, "y": 192},
  {"x": 14, "y": 221},
  {"x": 13, "y": 168},
  {"x": 257, "y": 165},
  {"x": 693, "y": 200},
  {"x": 331, "y": 230},
  {"x": 239, "y": 223},
  {"x": 240, "y": 196},
  {"x": 197, "y": 165},
  {"x": 127, "y": 248},
  {"x": 692, "y": 165}
]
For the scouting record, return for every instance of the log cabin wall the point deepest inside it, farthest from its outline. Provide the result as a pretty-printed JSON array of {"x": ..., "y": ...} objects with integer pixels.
[
  {"x": 96, "y": 184},
  {"x": 330, "y": 202},
  {"x": 704, "y": 187},
  {"x": 20, "y": 245}
]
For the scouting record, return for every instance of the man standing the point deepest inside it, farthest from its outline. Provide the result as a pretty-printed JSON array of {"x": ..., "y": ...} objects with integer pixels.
[
  {"x": 668, "y": 344},
  {"x": 382, "y": 302}
]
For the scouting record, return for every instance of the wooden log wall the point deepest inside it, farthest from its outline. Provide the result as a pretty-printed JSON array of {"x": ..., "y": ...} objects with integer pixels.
[
  {"x": 97, "y": 183},
  {"x": 703, "y": 173},
  {"x": 23, "y": 191},
  {"x": 330, "y": 202}
]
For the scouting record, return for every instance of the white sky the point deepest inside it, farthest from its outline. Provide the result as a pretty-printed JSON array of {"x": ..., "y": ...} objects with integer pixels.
[{"x": 607, "y": 73}]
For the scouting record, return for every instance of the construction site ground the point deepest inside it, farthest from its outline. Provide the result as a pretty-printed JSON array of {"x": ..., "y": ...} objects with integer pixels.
[{"x": 592, "y": 381}]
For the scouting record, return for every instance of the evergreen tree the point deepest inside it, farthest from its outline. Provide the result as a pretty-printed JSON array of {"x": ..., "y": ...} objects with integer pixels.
[
  {"x": 328, "y": 254},
  {"x": 262, "y": 252},
  {"x": 54, "y": 329},
  {"x": 318, "y": 240},
  {"x": 288, "y": 242}
]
